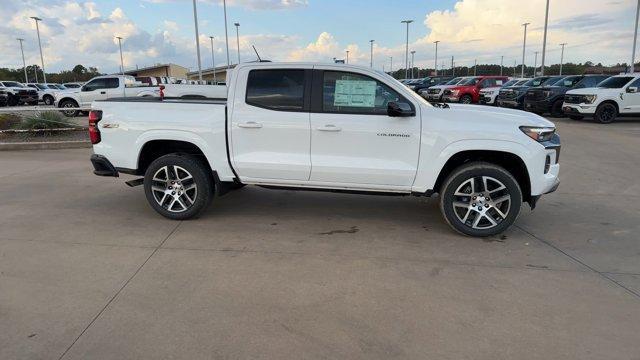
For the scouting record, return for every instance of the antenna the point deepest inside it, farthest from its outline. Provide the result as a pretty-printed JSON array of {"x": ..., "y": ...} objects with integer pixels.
[{"x": 258, "y": 55}]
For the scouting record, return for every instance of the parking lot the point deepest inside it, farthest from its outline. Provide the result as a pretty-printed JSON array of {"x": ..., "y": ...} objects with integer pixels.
[{"x": 89, "y": 271}]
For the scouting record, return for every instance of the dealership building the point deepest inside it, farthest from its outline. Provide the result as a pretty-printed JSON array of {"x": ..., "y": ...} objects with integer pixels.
[
  {"x": 217, "y": 74},
  {"x": 169, "y": 70}
]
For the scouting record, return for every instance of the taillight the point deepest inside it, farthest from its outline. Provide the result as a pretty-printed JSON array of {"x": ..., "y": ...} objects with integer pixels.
[{"x": 94, "y": 133}]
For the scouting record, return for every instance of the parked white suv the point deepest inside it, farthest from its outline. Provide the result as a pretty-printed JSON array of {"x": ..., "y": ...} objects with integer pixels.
[
  {"x": 488, "y": 95},
  {"x": 328, "y": 127},
  {"x": 617, "y": 96},
  {"x": 46, "y": 93}
]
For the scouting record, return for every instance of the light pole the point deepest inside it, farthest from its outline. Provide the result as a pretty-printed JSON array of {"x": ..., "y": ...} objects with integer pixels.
[
  {"x": 501, "y": 64},
  {"x": 371, "y": 60},
  {"x": 475, "y": 67},
  {"x": 406, "y": 54},
  {"x": 347, "y": 56},
  {"x": 453, "y": 71},
  {"x": 195, "y": 21},
  {"x": 544, "y": 38},
  {"x": 562, "y": 56},
  {"x": 524, "y": 46},
  {"x": 121, "y": 58},
  {"x": 535, "y": 64},
  {"x": 44, "y": 74},
  {"x": 391, "y": 64},
  {"x": 24, "y": 64},
  {"x": 237, "y": 25},
  {"x": 632, "y": 68},
  {"x": 436, "y": 61},
  {"x": 413, "y": 53},
  {"x": 213, "y": 61},
  {"x": 226, "y": 37}
]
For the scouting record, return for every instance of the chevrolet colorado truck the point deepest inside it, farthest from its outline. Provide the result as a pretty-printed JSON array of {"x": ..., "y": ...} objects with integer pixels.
[
  {"x": 617, "y": 96},
  {"x": 330, "y": 127}
]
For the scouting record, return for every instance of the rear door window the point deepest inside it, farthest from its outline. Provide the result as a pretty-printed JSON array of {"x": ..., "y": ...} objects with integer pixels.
[{"x": 277, "y": 89}]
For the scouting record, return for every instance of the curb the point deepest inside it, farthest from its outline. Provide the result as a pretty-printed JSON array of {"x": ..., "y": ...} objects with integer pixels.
[{"x": 52, "y": 145}]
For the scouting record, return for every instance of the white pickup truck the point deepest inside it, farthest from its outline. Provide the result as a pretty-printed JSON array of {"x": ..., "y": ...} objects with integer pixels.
[
  {"x": 328, "y": 127},
  {"x": 118, "y": 86},
  {"x": 616, "y": 96}
]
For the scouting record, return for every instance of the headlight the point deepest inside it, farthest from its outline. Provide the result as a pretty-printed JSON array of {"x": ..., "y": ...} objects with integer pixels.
[
  {"x": 455, "y": 92},
  {"x": 539, "y": 134},
  {"x": 590, "y": 99}
]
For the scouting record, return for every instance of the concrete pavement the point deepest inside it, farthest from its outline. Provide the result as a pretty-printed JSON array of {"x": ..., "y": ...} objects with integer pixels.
[{"x": 89, "y": 271}]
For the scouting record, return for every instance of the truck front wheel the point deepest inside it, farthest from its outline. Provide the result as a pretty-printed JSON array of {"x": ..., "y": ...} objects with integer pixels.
[
  {"x": 466, "y": 99},
  {"x": 480, "y": 199},
  {"x": 178, "y": 187}
]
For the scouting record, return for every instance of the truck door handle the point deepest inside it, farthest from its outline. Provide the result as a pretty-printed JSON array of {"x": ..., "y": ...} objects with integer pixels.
[
  {"x": 250, "y": 125},
  {"x": 329, "y": 128},
  {"x": 103, "y": 92}
]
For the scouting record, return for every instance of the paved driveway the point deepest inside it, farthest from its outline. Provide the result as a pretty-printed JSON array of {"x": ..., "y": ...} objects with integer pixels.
[{"x": 89, "y": 271}]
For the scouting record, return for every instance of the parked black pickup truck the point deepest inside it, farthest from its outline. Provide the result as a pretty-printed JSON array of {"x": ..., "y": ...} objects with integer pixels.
[
  {"x": 513, "y": 96},
  {"x": 549, "y": 99}
]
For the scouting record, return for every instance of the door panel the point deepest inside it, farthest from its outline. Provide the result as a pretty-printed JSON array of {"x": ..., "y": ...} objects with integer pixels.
[
  {"x": 270, "y": 130},
  {"x": 354, "y": 141}
]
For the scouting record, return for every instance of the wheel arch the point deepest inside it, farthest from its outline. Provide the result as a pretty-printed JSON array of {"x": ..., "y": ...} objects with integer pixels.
[
  {"x": 512, "y": 162},
  {"x": 612, "y": 102},
  {"x": 67, "y": 98},
  {"x": 152, "y": 149}
]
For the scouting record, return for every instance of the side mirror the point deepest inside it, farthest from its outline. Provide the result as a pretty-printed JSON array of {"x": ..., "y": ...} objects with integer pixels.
[
  {"x": 632, "y": 89},
  {"x": 399, "y": 109}
]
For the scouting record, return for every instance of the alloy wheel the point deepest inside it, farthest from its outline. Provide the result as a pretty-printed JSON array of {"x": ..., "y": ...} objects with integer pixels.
[
  {"x": 481, "y": 202},
  {"x": 174, "y": 188}
]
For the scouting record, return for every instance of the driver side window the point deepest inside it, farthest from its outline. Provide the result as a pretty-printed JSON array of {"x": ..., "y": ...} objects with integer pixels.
[
  {"x": 94, "y": 85},
  {"x": 345, "y": 92}
]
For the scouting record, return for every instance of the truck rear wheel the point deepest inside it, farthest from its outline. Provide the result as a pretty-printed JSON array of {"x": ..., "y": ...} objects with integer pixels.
[
  {"x": 480, "y": 199},
  {"x": 178, "y": 187}
]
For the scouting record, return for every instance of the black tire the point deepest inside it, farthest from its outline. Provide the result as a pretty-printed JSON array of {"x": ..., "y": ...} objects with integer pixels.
[
  {"x": 188, "y": 204},
  {"x": 69, "y": 104},
  {"x": 466, "y": 99},
  {"x": 606, "y": 113},
  {"x": 556, "y": 109},
  {"x": 47, "y": 99},
  {"x": 576, "y": 117},
  {"x": 477, "y": 172},
  {"x": 13, "y": 100}
]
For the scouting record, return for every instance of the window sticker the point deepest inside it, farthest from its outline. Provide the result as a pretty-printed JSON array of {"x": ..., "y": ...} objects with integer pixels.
[{"x": 355, "y": 93}]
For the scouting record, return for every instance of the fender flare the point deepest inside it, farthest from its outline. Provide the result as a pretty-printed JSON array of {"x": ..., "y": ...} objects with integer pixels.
[{"x": 172, "y": 135}]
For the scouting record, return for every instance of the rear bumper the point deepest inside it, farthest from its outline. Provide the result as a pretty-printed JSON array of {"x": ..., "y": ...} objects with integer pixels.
[{"x": 102, "y": 166}]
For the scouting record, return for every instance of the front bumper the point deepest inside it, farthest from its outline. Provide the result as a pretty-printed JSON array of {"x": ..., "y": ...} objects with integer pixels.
[
  {"x": 432, "y": 97},
  {"x": 102, "y": 166},
  {"x": 578, "y": 109},
  {"x": 513, "y": 104},
  {"x": 537, "y": 106},
  {"x": 487, "y": 99},
  {"x": 451, "y": 98}
]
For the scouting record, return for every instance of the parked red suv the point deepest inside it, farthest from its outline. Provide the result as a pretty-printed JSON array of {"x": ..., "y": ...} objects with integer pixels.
[{"x": 468, "y": 91}]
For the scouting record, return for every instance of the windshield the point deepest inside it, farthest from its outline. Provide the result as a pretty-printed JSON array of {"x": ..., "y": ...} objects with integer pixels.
[
  {"x": 569, "y": 81},
  {"x": 470, "y": 81},
  {"x": 511, "y": 83},
  {"x": 551, "y": 81},
  {"x": 520, "y": 82},
  {"x": 12, "y": 84},
  {"x": 454, "y": 81},
  {"x": 42, "y": 86},
  {"x": 615, "y": 82}
]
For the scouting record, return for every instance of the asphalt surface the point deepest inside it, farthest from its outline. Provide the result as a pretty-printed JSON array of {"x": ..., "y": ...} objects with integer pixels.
[{"x": 89, "y": 271}]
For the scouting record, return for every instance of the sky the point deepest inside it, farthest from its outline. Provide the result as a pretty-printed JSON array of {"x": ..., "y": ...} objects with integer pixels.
[{"x": 162, "y": 31}]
